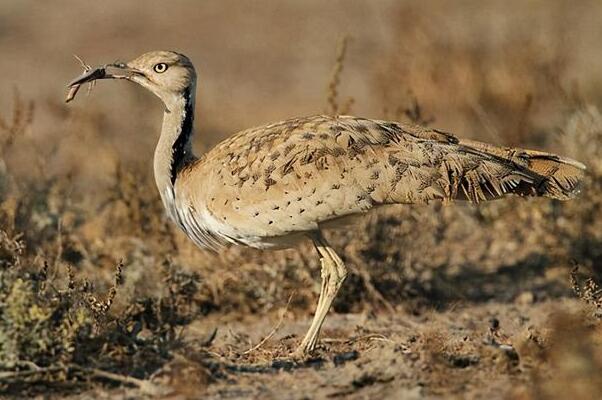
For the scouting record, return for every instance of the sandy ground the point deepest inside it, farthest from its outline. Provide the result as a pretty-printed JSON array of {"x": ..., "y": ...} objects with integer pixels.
[{"x": 452, "y": 354}]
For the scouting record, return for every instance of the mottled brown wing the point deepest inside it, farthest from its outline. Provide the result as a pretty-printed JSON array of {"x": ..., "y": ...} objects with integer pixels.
[
  {"x": 297, "y": 174},
  {"x": 293, "y": 175}
]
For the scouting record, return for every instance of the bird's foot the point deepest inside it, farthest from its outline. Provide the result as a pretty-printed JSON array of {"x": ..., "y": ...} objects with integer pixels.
[
  {"x": 299, "y": 355},
  {"x": 303, "y": 352}
]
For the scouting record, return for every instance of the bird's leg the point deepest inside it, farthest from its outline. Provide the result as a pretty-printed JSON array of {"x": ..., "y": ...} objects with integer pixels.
[
  {"x": 311, "y": 336},
  {"x": 324, "y": 277},
  {"x": 333, "y": 274}
]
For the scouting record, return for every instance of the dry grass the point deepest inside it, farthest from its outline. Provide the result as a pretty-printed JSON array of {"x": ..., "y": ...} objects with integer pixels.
[{"x": 100, "y": 294}]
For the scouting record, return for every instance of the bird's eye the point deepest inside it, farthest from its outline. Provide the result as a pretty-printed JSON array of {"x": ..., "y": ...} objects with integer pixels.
[{"x": 160, "y": 68}]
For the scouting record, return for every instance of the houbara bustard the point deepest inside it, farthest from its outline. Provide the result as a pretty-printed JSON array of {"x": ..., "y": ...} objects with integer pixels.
[{"x": 274, "y": 185}]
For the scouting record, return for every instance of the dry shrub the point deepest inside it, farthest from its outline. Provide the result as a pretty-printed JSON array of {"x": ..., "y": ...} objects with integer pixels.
[
  {"x": 334, "y": 108},
  {"x": 56, "y": 332},
  {"x": 581, "y": 138},
  {"x": 136, "y": 208},
  {"x": 11, "y": 129},
  {"x": 563, "y": 357},
  {"x": 573, "y": 360},
  {"x": 589, "y": 292}
]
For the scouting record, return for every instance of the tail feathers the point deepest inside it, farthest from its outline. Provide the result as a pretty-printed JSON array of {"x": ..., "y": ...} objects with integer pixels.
[
  {"x": 562, "y": 176},
  {"x": 522, "y": 172}
]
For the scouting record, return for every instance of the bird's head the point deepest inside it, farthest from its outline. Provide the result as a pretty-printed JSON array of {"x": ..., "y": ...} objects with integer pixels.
[{"x": 167, "y": 74}]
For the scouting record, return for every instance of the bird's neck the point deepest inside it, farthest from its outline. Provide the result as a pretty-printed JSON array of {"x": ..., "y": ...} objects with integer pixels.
[{"x": 174, "y": 150}]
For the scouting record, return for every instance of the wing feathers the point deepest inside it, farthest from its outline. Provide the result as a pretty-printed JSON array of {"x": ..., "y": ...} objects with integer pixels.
[{"x": 294, "y": 175}]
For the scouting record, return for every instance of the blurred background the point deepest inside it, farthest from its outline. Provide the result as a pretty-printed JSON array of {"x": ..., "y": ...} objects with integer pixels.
[{"x": 77, "y": 193}]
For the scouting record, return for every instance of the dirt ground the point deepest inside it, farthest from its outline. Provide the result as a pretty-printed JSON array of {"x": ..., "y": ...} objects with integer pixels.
[
  {"x": 367, "y": 356},
  {"x": 102, "y": 297}
]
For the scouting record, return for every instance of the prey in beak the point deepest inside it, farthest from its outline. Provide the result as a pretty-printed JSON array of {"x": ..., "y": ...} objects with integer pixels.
[{"x": 116, "y": 70}]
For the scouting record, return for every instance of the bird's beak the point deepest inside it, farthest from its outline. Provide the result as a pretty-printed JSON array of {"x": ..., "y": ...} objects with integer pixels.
[{"x": 109, "y": 71}]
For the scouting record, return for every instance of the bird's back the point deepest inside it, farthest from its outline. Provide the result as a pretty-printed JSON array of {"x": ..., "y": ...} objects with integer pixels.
[{"x": 265, "y": 186}]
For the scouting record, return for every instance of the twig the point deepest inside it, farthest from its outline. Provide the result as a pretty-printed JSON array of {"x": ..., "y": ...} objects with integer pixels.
[
  {"x": 145, "y": 386},
  {"x": 273, "y": 332},
  {"x": 7, "y": 375},
  {"x": 371, "y": 336},
  {"x": 335, "y": 79},
  {"x": 373, "y": 291}
]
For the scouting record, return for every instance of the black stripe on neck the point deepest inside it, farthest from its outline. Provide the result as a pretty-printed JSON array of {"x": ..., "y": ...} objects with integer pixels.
[{"x": 181, "y": 148}]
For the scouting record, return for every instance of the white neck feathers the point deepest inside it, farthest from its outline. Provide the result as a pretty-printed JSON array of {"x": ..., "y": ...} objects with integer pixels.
[{"x": 174, "y": 149}]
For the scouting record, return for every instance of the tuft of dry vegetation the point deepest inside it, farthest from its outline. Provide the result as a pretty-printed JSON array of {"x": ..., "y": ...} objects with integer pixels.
[
  {"x": 56, "y": 332},
  {"x": 589, "y": 292},
  {"x": 334, "y": 108}
]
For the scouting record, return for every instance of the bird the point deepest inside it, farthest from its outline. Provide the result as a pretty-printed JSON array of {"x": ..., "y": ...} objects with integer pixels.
[{"x": 276, "y": 185}]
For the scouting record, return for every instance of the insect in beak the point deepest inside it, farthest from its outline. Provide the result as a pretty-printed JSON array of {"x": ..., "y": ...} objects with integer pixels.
[{"x": 91, "y": 75}]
